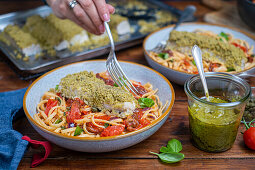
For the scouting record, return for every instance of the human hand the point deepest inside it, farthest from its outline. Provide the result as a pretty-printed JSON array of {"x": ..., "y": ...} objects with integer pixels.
[{"x": 89, "y": 14}]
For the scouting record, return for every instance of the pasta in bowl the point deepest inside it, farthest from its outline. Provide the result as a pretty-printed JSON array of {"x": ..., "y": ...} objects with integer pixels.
[
  {"x": 86, "y": 111},
  {"x": 224, "y": 50}
]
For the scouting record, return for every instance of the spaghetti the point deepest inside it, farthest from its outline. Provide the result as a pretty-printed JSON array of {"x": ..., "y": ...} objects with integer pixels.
[{"x": 73, "y": 117}]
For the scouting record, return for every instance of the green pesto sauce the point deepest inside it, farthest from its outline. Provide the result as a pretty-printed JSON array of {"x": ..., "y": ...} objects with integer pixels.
[
  {"x": 213, "y": 49},
  {"x": 95, "y": 92},
  {"x": 213, "y": 128}
]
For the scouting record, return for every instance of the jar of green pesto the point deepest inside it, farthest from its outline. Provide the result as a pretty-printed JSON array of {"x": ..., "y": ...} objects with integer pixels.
[{"x": 214, "y": 123}]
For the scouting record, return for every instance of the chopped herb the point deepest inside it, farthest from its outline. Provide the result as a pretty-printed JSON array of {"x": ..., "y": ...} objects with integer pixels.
[
  {"x": 94, "y": 109},
  {"x": 163, "y": 55},
  {"x": 193, "y": 62},
  {"x": 230, "y": 69},
  {"x": 68, "y": 108},
  {"x": 63, "y": 127},
  {"x": 170, "y": 154},
  {"x": 253, "y": 55},
  {"x": 106, "y": 125},
  {"x": 116, "y": 85},
  {"x": 56, "y": 88},
  {"x": 172, "y": 60},
  {"x": 78, "y": 131},
  {"x": 58, "y": 121},
  {"x": 145, "y": 102},
  {"x": 221, "y": 39},
  {"x": 224, "y": 35},
  {"x": 64, "y": 113}
]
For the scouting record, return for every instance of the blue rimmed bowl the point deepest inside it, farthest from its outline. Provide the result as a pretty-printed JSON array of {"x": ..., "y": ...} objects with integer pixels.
[{"x": 134, "y": 71}]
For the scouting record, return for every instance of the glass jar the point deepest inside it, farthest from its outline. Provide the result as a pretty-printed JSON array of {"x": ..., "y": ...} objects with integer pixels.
[{"x": 214, "y": 124}]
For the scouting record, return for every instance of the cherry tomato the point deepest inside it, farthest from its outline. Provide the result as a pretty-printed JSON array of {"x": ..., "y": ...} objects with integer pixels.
[
  {"x": 144, "y": 122},
  {"x": 112, "y": 131},
  {"x": 95, "y": 129},
  {"x": 105, "y": 117},
  {"x": 50, "y": 104},
  {"x": 249, "y": 138},
  {"x": 74, "y": 113},
  {"x": 241, "y": 47}
]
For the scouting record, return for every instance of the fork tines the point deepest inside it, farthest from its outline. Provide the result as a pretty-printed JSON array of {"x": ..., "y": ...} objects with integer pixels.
[{"x": 118, "y": 75}]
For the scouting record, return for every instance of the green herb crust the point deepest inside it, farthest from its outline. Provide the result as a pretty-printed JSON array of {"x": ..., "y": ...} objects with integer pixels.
[
  {"x": 96, "y": 93},
  {"x": 213, "y": 49}
]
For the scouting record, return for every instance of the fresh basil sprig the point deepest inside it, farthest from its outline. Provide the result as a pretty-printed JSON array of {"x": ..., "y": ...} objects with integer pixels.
[
  {"x": 145, "y": 102},
  {"x": 170, "y": 153}
]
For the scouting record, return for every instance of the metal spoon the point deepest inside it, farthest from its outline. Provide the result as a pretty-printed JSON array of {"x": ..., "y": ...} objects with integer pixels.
[{"x": 197, "y": 55}]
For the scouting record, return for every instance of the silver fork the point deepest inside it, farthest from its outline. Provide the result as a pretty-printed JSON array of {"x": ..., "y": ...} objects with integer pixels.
[
  {"x": 114, "y": 68},
  {"x": 187, "y": 12}
]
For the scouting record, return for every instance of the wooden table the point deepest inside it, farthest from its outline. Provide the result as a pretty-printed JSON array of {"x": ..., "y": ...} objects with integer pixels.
[{"x": 135, "y": 157}]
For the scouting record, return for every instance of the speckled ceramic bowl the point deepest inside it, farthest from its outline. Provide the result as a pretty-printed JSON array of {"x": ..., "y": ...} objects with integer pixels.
[
  {"x": 180, "y": 77},
  {"x": 134, "y": 72}
]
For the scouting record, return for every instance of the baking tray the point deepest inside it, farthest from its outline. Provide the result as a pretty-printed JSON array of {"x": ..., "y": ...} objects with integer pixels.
[{"x": 45, "y": 63}]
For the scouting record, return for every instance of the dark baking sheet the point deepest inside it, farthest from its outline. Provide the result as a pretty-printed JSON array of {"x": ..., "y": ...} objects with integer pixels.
[{"x": 44, "y": 63}]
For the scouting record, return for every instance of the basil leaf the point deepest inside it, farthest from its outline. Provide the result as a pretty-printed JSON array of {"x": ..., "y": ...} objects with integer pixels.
[
  {"x": 170, "y": 157},
  {"x": 145, "y": 102},
  {"x": 106, "y": 125},
  {"x": 163, "y": 55},
  {"x": 116, "y": 85},
  {"x": 174, "y": 145},
  {"x": 64, "y": 113},
  {"x": 253, "y": 55},
  {"x": 224, "y": 35},
  {"x": 58, "y": 121},
  {"x": 193, "y": 62},
  {"x": 56, "y": 88},
  {"x": 164, "y": 149},
  {"x": 78, "y": 131},
  {"x": 230, "y": 69}
]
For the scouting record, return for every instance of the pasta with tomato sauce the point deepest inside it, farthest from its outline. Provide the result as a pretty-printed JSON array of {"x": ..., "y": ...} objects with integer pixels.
[{"x": 101, "y": 109}]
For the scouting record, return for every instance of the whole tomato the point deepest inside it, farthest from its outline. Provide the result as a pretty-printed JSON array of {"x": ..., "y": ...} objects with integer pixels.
[{"x": 249, "y": 136}]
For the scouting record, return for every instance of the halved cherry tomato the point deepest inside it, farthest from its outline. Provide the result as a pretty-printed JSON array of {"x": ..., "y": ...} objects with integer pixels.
[
  {"x": 50, "y": 104},
  {"x": 186, "y": 62},
  {"x": 74, "y": 113},
  {"x": 241, "y": 47},
  {"x": 95, "y": 129},
  {"x": 105, "y": 117},
  {"x": 112, "y": 131},
  {"x": 144, "y": 122},
  {"x": 141, "y": 90}
]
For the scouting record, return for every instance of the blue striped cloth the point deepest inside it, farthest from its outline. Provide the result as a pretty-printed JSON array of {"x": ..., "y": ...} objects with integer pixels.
[{"x": 12, "y": 147}]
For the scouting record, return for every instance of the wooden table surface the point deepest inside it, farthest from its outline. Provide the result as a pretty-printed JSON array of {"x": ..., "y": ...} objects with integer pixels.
[{"x": 135, "y": 157}]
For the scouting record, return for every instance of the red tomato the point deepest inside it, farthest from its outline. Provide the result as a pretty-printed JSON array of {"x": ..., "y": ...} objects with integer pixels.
[
  {"x": 74, "y": 113},
  {"x": 241, "y": 47},
  {"x": 144, "y": 122},
  {"x": 80, "y": 101},
  {"x": 50, "y": 104},
  {"x": 94, "y": 129},
  {"x": 112, "y": 131},
  {"x": 141, "y": 90},
  {"x": 105, "y": 117},
  {"x": 186, "y": 63},
  {"x": 249, "y": 138}
]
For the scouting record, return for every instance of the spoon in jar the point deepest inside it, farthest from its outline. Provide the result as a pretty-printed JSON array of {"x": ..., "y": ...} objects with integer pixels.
[{"x": 197, "y": 55}]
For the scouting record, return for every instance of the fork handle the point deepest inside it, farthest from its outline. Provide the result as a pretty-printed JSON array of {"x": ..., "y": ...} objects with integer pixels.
[{"x": 107, "y": 28}]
